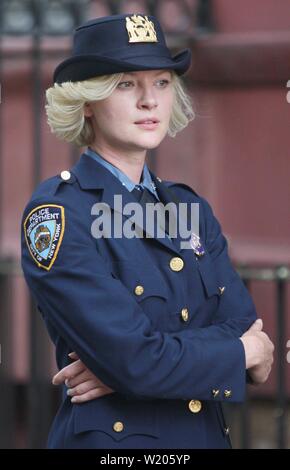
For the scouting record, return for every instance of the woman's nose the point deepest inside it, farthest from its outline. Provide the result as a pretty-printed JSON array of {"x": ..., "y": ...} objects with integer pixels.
[{"x": 147, "y": 100}]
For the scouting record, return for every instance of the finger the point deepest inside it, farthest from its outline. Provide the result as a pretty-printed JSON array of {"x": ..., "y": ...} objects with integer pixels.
[
  {"x": 67, "y": 372},
  {"x": 91, "y": 395},
  {"x": 266, "y": 374},
  {"x": 82, "y": 388},
  {"x": 257, "y": 325},
  {"x": 73, "y": 355},
  {"x": 267, "y": 371},
  {"x": 83, "y": 377}
]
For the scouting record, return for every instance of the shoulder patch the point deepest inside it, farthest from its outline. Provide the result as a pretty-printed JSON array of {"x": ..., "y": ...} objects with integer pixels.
[{"x": 43, "y": 230}]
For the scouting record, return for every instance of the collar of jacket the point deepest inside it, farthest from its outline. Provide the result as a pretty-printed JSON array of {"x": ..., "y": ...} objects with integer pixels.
[{"x": 92, "y": 175}]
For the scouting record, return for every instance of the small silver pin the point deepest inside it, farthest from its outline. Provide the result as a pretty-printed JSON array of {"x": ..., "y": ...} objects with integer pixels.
[{"x": 222, "y": 289}]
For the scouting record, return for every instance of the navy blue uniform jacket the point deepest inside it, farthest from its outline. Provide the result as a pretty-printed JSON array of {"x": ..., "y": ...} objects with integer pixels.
[{"x": 156, "y": 323}]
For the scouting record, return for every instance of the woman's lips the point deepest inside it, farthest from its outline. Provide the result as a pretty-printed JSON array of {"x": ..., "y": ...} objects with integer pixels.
[{"x": 148, "y": 124}]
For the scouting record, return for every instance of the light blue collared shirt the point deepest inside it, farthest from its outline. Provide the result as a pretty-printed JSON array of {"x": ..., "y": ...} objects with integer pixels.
[{"x": 146, "y": 180}]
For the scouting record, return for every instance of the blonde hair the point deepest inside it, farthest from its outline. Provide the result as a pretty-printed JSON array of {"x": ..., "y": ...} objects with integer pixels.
[{"x": 65, "y": 107}]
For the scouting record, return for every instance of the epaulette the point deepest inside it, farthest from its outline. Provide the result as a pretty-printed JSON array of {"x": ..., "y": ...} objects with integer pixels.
[
  {"x": 172, "y": 184},
  {"x": 50, "y": 186}
]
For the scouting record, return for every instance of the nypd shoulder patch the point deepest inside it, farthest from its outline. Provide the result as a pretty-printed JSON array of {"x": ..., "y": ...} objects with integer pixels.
[{"x": 44, "y": 229}]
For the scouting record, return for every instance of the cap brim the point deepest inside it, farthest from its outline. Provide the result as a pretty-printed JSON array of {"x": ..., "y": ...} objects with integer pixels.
[{"x": 83, "y": 67}]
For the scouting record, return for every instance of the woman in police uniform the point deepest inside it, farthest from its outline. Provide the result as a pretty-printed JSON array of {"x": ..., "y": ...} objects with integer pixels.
[{"x": 158, "y": 324}]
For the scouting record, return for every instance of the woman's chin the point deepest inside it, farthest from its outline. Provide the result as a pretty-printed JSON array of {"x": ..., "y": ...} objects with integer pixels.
[{"x": 150, "y": 142}]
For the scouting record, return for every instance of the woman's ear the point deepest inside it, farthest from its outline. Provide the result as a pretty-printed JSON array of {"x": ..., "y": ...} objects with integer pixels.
[{"x": 88, "y": 112}]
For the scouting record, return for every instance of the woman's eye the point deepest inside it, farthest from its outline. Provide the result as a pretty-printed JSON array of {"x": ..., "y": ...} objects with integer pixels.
[
  {"x": 125, "y": 84},
  {"x": 163, "y": 83}
]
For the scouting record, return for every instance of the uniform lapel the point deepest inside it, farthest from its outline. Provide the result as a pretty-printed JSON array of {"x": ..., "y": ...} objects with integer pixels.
[{"x": 178, "y": 217}]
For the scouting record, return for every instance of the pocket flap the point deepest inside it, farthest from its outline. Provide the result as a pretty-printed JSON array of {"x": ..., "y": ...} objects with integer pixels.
[
  {"x": 117, "y": 417},
  {"x": 141, "y": 282}
]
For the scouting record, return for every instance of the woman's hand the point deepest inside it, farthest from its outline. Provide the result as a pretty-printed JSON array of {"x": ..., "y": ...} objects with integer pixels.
[
  {"x": 259, "y": 351},
  {"x": 82, "y": 384}
]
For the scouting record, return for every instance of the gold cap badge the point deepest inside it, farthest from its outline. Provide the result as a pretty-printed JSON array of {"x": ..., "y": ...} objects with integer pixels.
[{"x": 140, "y": 29}]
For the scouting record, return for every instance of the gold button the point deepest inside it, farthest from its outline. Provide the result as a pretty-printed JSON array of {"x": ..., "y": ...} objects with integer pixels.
[
  {"x": 118, "y": 426},
  {"x": 222, "y": 289},
  {"x": 176, "y": 264},
  {"x": 227, "y": 393},
  {"x": 139, "y": 290},
  {"x": 184, "y": 314},
  {"x": 215, "y": 392},
  {"x": 195, "y": 406},
  {"x": 65, "y": 175}
]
